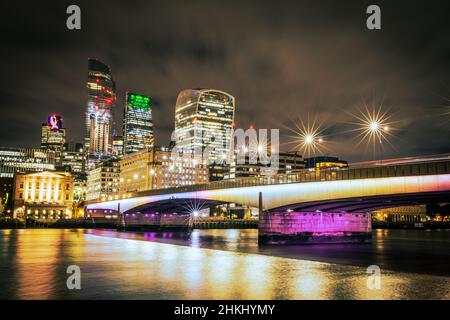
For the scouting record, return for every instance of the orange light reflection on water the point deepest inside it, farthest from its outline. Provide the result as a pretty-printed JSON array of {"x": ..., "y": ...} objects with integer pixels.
[{"x": 115, "y": 267}]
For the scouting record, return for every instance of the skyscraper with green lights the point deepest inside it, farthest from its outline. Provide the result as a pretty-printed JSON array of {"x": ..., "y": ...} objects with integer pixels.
[{"x": 137, "y": 123}]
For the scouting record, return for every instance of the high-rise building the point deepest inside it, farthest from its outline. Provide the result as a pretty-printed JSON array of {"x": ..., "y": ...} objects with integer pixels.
[
  {"x": 137, "y": 123},
  {"x": 204, "y": 120},
  {"x": 101, "y": 98},
  {"x": 53, "y": 136},
  {"x": 159, "y": 168},
  {"x": 103, "y": 180}
]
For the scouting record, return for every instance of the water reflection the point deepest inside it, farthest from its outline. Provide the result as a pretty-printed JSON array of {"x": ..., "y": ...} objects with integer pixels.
[{"x": 119, "y": 265}]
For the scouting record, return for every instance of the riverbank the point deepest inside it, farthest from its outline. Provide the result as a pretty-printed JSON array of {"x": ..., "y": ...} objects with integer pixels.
[
  {"x": 225, "y": 224},
  {"x": 8, "y": 223},
  {"x": 433, "y": 225}
]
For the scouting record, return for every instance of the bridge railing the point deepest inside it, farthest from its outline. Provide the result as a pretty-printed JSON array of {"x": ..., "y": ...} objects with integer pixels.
[{"x": 350, "y": 173}]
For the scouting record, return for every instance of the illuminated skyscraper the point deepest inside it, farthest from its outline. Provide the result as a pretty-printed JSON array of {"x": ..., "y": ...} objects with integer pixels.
[
  {"x": 101, "y": 98},
  {"x": 204, "y": 122},
  {"x": 53, "y": 136},
  {"x": 137, "y": 123}
]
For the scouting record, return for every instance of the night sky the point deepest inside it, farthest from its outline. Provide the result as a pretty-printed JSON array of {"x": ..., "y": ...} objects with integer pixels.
[{"x": 282, "y": 60}]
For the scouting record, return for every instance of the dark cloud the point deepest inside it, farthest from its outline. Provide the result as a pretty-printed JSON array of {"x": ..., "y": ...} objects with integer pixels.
[{"x": 282, "y": 60}]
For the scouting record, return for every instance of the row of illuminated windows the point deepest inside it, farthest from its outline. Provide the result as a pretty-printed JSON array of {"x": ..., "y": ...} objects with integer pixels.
[
  {"x": 114, "y": 179},
  {"x": 188, "y": 161},
  {"x": 27, "y": 163},
  {"x": 97, "y": 189},
  {"x": 41, "y": 199},
  {"x": 45, "y": 212},
  {"x": 174, "y": 183},
  {"x": 186, "y": 175},
  {"x": 175, "y": 173},
  {"x": 44, "y": 185},
  {"x": 186, "y": 170}
]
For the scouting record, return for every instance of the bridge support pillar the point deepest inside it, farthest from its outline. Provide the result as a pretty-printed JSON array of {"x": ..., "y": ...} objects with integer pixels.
[
  {"x": 313, "y": 227},
  {"x": 173, "y": 221}
]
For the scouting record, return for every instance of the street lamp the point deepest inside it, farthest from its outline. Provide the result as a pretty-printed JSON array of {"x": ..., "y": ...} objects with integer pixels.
[
  {"x": 373, "y": 127},
  {"x": 309, "y": 139}
]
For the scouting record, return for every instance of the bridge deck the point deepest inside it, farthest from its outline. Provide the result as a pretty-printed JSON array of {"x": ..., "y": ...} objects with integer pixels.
[{"x": 351, "y": 173}]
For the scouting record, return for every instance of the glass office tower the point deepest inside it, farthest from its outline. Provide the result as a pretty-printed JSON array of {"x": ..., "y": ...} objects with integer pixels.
[
  {"x": 204, "y": 120},
  {"x": 137, "y": 123},
  {"x": 101, "y": 98}
]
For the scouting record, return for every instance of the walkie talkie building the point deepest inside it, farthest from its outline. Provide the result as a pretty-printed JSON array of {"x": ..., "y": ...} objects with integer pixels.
[{"x": 204, "y": 121}]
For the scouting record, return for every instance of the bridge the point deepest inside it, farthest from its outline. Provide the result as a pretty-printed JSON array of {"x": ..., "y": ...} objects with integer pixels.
[{"x": 331, "y": 205}]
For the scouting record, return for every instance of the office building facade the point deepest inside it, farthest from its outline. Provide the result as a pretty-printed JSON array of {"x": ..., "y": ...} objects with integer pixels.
[
  {"x": 14, "y": 160},
  {"x": 287, "y": 162},
  {"x": 137, "y": 123},
  {"x": 73, "y": 158},
  {"x": 117, "y": 146},
  {"x": 103, "y": 180},
  {"x": 101, "y": 99},
  {"x": 325, "y": 162},
  {"x": 160, "y": 168},
  {"x": 204, "y": 120}
]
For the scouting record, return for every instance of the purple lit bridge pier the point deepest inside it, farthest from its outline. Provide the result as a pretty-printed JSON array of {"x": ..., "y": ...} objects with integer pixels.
[
  {"x": 307, "y": 207},
  {"x": 314, "y": 227}
]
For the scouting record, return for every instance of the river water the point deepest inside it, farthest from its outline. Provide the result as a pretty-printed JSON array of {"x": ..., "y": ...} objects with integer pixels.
[{"x": 219, "y": 264}]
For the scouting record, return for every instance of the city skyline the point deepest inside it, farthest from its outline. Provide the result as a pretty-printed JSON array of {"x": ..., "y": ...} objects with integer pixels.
[
  {"x": 291, "y": 64},
  {"x": 225, "y": 155},
  {"x": 118, "y": 123}
]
